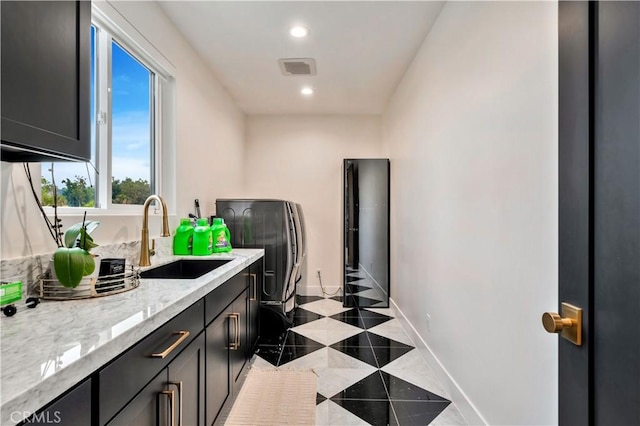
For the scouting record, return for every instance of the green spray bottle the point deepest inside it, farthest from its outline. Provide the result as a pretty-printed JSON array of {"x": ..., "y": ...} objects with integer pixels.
[
  {"x": 202, "y": 241},
  {"x": 221, "y": 236}
]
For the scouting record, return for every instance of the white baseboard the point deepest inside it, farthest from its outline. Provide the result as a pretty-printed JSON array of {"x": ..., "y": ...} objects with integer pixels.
[
  {"x": 457, "y": 395},
  {"x": 316, "y": 290}
]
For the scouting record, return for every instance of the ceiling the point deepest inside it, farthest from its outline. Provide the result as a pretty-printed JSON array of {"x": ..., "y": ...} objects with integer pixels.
[{"x": 361, "y": 48}]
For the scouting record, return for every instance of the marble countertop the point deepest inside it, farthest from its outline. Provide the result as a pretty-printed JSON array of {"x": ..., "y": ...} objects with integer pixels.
[{"x": 49, "y": 349}]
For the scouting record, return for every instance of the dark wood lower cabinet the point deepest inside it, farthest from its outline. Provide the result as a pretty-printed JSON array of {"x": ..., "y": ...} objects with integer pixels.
[
  {"x": 186, "y": 378},
  {"x": 238, "y": 336},
  {"x": 218, "y": 384},
  {"x": 148, "y": 407},
  {"x": 205, "y": 351},
  {"x": 226, "y": 355},
  {"x": 73, "y": 408},
  {"x": 175, "y": 396}
]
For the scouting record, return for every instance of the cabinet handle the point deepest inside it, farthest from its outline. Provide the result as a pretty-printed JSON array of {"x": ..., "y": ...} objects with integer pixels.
[
  {"x": 183, "y": 335},
  {"x": 179, "y": 386},
  {"x": 236, "y": 338},
  {"x": 172, "y": 405},
  {"x": 255, "y": 287}
]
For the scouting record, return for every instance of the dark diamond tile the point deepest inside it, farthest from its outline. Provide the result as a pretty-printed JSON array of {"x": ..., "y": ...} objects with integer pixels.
[
  {"x": 351, "y": 279},
  {"x": 372, "y": 314},
  {"x": 306, "y": 299},
  {"x": 296, "y": 346},
  {"x": 273, "y": 339},
  {"x": 418, "y": 413},
  {"x": 289, "y": 353},
  {"x": 370, "y": 322},
  {"x": 363, "y": 353},
  {"x": 376, "y": 413},
  {"x": 350, "y": 317},
  {"x": 295, "y": 339},
  {"x": 350, "y": 313},
  {"x": 355, "y": 321},
  {"x": 270, "y": 354},
  {"x": 360, "y": 339},
  {"x": 320, "y": 398},
  {"x": 371, "y": 387},
  {"x": 336, "y": 298},
  {"x": 399, "y": 389},
  {"x": 377, "y": 340},
  {"x": 302, "y": 316},
  {"x": 384, "y": 355}
]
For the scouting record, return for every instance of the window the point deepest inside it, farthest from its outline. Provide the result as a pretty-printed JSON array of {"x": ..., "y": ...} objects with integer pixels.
[{"x": 125, "y": 130}]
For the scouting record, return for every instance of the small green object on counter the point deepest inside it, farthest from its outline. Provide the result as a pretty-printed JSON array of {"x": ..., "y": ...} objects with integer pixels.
[
  {"x": 202, "y": 239},
  {"x": 10, "y": 292},
  {"x": 221, "y": 236},
  {"x": 183, "y": 238}
]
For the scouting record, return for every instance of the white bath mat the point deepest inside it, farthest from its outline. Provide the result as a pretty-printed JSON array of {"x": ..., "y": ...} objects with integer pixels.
[{"x": 275, "y": 397}]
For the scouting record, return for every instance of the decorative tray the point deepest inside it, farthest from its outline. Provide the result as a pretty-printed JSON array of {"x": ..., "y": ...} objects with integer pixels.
[{"x": 99, "y": 286}]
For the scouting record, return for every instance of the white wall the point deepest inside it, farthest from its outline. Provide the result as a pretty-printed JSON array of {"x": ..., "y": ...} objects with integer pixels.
[
  {"x": 472, "y": 135},
  {"x": 208, "y": 154},
  {"x": 299, "y": 158}
]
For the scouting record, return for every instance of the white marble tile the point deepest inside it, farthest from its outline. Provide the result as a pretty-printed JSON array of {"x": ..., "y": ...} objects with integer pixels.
[
  {"x": 326, "y": 307},
  {"x": 412, "y": 368},
  {"x": 449, "y": 417},
  {"x": 328, "y": 413},
  {"x": 336, "y": 371},
  {"x": 392, "y": 329},
  {"x": 342, "y": 371},
  {"x": 384, "y": 311},
  {"x": 327, "y": 330}
]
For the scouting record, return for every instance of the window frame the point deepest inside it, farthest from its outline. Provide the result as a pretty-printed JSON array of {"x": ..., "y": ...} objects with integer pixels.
[{"x": 108, "y": 30}]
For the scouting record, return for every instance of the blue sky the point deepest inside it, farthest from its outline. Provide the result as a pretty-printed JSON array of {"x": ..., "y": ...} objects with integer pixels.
[{"x": 130, "y": 123}]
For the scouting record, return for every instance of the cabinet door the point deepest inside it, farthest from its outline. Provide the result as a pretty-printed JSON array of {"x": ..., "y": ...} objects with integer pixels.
[
  {"x": 238, "y": 335},
  {"x": 256, "y": 274},
  {"x": 152, "y": 406},
  {"x": 186, "y": 377},
  {"x": 45, "y": 80},
  {"x": 74, "y": 408},
  {"x": 218, "y": 383}
]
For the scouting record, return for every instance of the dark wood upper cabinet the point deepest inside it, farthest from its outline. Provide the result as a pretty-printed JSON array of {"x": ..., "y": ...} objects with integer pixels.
[{"x": 45, "y": 80}]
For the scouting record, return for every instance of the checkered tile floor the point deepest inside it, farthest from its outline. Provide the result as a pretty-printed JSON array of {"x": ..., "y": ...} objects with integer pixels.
[
  {"x": 369, "y": 373},
  {"x": 362, "y": 291}
]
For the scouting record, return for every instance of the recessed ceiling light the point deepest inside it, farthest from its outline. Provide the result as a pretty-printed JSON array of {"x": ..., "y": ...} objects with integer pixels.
[
  {"x": 307, "y": 91},
  {"x": 299, "y": 31}
]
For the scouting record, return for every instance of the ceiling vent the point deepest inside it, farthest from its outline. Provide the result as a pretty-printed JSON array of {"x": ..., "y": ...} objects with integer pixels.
[{"x": 297, "y": 66}]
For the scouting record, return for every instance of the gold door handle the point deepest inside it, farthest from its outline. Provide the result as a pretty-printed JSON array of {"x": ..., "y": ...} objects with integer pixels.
[
  {"x": 254, "y": 279},
  {"x": 172, "y": 405},
  {"x": 179, "y": 386},
  {"x": 554, "y": 323},
  {"x": 236, "y": 344},
  {"x": 568, "y": 324},
  {"x": 183, "y": 335}
]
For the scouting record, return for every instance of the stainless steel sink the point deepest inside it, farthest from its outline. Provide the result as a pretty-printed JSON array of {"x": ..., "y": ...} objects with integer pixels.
[{"x": 184, "y": 269}]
